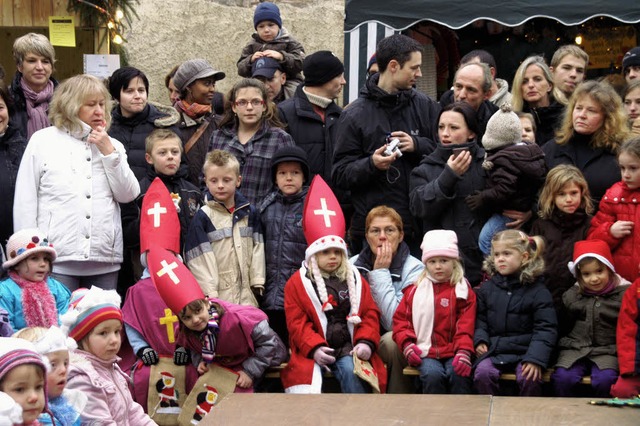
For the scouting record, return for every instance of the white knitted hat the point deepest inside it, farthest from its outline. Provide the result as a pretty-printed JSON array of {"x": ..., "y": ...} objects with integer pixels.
[
  {"x": 503, "y": 129},
  {"x": 26, "y": 242}
]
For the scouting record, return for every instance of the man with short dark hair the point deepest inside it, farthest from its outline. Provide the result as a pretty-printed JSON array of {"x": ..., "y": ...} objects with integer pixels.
[{"x": 388, "y": 109}]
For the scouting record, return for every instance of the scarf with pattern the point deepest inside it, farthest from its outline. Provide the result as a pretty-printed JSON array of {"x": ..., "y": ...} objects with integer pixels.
[{"x": 209, "y": 335}]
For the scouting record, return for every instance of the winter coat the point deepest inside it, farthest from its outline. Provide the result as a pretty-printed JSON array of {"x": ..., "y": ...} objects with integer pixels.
[
  {"x": 12, "y": 146},
  {"x": 11, "y": 300},
  {"x": 516, "y": 321},
  {"x": 310, "y": 132},
  {"x": 560, "y": 232},
  {"x": 620, "y": 203},
  {"x": 132, "y": 132},
  {"x": 254, "y": 157},
  {"x": 190, "y": 201},
  {"x": 20, "y": 117},
  {"x": 453, "y": 321},
  {"x": 438, "y": 198},
  {"x": 307, "y": 324},
  {"x": 197, "y": 155},
  {"x": 593, "y": 322},
  {"x": 628, "y": 331},
  {"x": 362, "y": 129},
  {"x": 598, "y": 165},
  {"x": 225, "y": 251},
  {"x": 387, "y": 285},
  {"x": 110, "y": 402},
  {"x": 284, "y": 43},
  {"x": 70, "y": 191},
  {"x": 547, "y": 120},
  {"x": 284, "y": 243},
  {"x": 513, "y": 182}
]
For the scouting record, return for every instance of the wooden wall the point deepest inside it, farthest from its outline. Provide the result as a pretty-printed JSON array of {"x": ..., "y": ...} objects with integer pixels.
[{"x": 19, "y": 17}]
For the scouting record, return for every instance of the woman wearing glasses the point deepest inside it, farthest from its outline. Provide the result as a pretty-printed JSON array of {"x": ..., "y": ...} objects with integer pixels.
[
  {"x": 196, "y": 80},
  {"x": 250, "y": 130}
]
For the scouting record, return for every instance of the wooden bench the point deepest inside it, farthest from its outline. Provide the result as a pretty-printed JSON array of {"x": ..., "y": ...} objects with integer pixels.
[
  {"x": 274, "y": 372},
  {"x": 509, "y": 377}
]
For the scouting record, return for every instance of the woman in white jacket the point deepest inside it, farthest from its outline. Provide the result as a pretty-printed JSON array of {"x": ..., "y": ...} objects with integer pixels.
[{"x": 71, "y": 179}]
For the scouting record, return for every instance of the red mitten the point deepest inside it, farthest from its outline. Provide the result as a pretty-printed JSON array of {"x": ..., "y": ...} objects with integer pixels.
[
  {"x": 462, "y": 363},
  {"x": 412, "y": 353}
]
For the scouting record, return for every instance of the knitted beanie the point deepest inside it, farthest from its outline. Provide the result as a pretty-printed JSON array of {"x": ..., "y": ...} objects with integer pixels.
[
  {"x": 267, "y": 12},
  {"x": 290, "y": 153},
  {"x": 15, "y": 352},
  {"x": 25, "y": 243},
  {"x": 631, "y": 58},
  {"x": 596, "y": 249},
  {"x": 439, "y": 242},
  {"x": 503, "y": 129},
  {"x": 87, "y": 309},
  {"x": 321, "y": 67},
  {"x": 10, "y": 411},
  {"x": 372, "y": 60},
  {"x": 192, "y": 70}
]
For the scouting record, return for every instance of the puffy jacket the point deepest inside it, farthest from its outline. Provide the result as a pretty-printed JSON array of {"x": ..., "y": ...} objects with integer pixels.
[
  {"x": 620, "y": 203},
  {"x": 628, "y": 331},
  {"x": 593, "y": 321},
  {"x": 132, "y": 132},
  {"x": 12, "y": 146},
  {"x": 598, "y": 165},
  {"x": 70, "y": 191},
  {"x": 110, "y": 402},
  {"x": 362, "y": 129},
  {"x": 516, "y": 321},
  {"x": 438, "y": 198},
  {"x": 284, "y": 243}
]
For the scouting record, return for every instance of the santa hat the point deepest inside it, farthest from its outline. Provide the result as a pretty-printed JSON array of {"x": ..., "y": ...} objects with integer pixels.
[
  {"x": 596, "y": 249},
  {"x": 439, "y": 242},
  {"x": 175, "y": 283},
  {"x": 10, "y": 411},
  {"x": 167, "y": 375},
  {"x": 324, "y": 227},
  {"x": 54, "y": 340},
  {"x": 25, "y": 243},
  {"x": 159, "y": 222},
  {"x": 87, "y": 309}
]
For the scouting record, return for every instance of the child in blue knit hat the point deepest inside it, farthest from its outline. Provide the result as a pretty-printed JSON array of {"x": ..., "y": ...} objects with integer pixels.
[{"x": 272, "y": 40}]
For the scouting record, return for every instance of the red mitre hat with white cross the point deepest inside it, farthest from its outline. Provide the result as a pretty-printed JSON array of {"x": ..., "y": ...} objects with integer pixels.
[
  {"x": 159, "y": 223},
  {"x": 175, "y": 283},
  {"x": 322, "y": 221}
]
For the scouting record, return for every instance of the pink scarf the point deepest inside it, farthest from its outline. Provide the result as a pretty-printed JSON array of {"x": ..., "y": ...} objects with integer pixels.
[
  {"x": 38, "y": 304},
  {"x": 37, "y": 106}
]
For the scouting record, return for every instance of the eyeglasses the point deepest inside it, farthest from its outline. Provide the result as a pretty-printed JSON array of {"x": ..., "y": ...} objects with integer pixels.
[
  {"x": 242, "y": 103},
  {"x": 389, "y": 231}
]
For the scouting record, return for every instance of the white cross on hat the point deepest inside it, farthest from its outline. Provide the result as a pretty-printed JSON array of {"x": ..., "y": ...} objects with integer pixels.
[
  {"x": 325, "y": 212},
  {"x": 156, "y": 211},
  {"x": 167, "y": 268}
]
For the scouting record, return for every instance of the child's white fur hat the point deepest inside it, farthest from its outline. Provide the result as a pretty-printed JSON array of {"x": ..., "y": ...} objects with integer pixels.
[{"x": 25, "y": 243}]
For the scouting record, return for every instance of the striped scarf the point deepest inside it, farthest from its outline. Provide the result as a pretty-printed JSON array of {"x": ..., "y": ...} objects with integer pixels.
[{"x": 209, "y": 335}]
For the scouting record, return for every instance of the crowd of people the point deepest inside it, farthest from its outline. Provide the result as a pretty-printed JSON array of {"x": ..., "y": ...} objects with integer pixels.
[{"x": 491, "y": 231}]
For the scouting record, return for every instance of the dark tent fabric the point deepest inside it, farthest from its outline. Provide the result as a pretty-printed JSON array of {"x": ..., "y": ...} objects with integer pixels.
[
  {"x": 368, "y": 21},
  {"x": 456, "y": 14}
]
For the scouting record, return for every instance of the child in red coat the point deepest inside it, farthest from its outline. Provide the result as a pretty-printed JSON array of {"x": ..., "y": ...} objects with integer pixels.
[
  {"x": 330, "y": 313},
  {"x": 435, "y": 320},
  {"x": 628, "y": 342}
]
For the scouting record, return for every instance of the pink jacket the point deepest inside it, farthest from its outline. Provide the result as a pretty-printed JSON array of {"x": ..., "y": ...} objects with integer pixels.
[{"x": 110, "y": 402}]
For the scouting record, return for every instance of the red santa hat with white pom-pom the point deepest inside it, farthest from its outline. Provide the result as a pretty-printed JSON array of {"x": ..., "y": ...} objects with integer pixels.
[{"x": 323, "y": 225}]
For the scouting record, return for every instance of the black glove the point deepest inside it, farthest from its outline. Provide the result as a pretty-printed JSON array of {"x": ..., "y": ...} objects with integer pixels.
[
  {"x": 148, "y": 356},
  {"x": 181, "y": 356},
  {"x": 474, "y": 201}
]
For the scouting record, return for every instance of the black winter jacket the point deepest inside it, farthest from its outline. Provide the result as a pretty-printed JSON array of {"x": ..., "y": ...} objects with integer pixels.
[
  {"x": 12, "y": 145},
  {"x": 516, "y": 321},
  {"x": 132, "y": 132},
  {"x": 547, "y": 119},
  {"x": 284, "y": 243},
  {"x": 437, "y": 197},
  {"x": 363, "y": 128}
]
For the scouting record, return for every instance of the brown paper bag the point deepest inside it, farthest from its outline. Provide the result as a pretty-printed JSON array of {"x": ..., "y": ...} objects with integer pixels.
[
  {"x": 166, "y": 392},
  {"x": 208, "y": 391},
  {"x": 365, "y": 371}
]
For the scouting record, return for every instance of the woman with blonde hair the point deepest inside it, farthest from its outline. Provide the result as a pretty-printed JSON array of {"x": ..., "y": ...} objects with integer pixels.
[
  {"x": 590, "y": 134},
  {"x": 532, "y": 92},
  {"x": 32, "y": 86},
  {"x": 71, "y": 179}
]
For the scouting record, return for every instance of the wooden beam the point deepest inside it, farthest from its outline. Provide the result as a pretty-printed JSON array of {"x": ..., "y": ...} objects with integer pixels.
[{"x": 22, "y": 13}]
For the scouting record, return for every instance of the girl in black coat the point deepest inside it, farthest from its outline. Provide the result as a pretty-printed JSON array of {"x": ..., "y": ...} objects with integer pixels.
[{"x": 516, "y": 323}]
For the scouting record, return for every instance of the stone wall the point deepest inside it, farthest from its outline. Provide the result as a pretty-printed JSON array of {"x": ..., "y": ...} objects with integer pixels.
[{"x": 170, "y": 32}]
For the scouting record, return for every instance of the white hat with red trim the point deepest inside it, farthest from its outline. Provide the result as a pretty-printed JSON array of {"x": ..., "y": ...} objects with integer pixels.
[{"x": 159, "y": 223}]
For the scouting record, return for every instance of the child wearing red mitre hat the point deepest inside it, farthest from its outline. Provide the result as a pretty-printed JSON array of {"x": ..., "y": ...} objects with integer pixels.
[{"x": 330, "y": 313}]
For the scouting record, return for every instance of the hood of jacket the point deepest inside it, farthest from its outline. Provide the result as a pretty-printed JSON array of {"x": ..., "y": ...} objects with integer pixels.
[{"x": 372, "y": 91}]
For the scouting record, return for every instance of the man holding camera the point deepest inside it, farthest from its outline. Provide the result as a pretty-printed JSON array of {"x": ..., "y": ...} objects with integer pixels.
[{"x": 388, "y": 109}]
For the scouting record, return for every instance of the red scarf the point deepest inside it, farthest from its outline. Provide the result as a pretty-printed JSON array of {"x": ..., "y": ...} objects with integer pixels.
[
  {"x": 38, "y": 305},
  {"x": 193, "y": 110}
]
